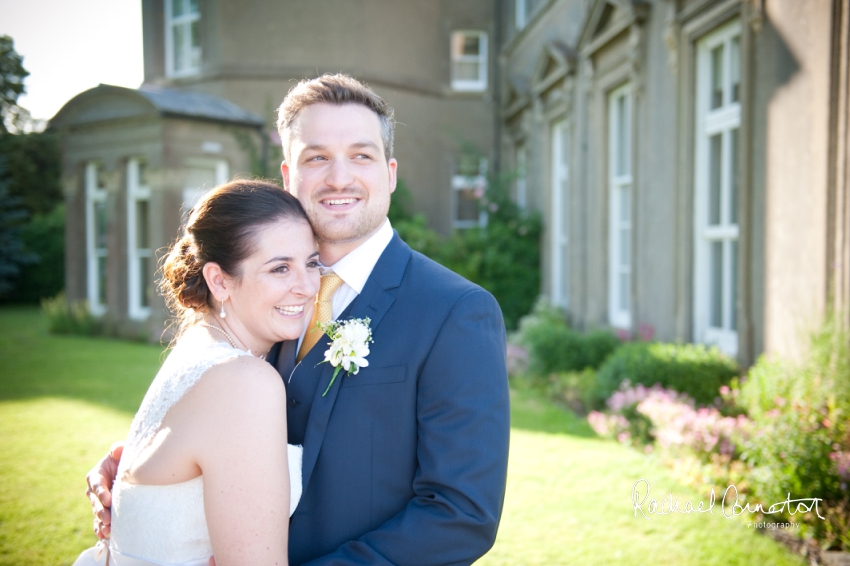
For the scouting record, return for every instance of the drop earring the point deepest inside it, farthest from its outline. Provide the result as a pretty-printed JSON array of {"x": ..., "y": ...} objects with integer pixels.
[{"x": 221, "y": 313}]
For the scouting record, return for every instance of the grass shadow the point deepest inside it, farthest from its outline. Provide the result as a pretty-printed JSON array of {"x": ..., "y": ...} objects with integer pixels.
[{"x": 529, "y": 411}]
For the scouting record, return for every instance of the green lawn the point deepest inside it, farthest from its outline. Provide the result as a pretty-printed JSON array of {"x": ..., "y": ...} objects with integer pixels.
[{"x": 63, "y": 400}]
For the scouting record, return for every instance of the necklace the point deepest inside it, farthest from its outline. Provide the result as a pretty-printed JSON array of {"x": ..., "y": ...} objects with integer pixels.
[{"x": 229, "y": 339}]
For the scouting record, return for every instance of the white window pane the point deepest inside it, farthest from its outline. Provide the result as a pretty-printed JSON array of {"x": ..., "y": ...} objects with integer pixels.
[
  {"x": 735, "y": 68},
  {"x": 625, "y": 204},
  {"x": 735, "y": 183},
  {"x": 621, "y": 155},
  {"x": 716, "y": 276},
  {"x": 718, "y": 185},
  {"x": 715, "y": 169},
  {"x": 100, "y": 224},
  {"x": 465, "y": 71},
  {"x": 519, "y": 13},
  {"x": 100, "y": 183},
  {"x": 193, "y": 6},
  {"x": 179, "y": 47},
  {"x": 101, "y": 279},
  {"x": 717, "y": 77},
  {"x": 195, "y": 41},
  {"x": 625, "y": 248},
  {"x": 624, "y": 292},
  {"x": 469, "y": 60},
  {"x": 145, "y": 281},
  {"x": 142, "y": 233},
  {"x": 466, "y": 205},
  {"x": 470, "y": 45},
  {"x": 734, "y": 294},
  {"x": 177, "y": 8}
]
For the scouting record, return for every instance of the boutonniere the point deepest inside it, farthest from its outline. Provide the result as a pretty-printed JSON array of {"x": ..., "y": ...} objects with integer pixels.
[{"x": 350, "y": 345}]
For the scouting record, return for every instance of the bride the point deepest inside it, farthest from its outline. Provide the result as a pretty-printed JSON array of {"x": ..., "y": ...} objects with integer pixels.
[{"x": 201, "y": 473}]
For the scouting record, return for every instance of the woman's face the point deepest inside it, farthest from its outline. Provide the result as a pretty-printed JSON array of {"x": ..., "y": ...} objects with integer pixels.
[{"x": 273, "y": 298}]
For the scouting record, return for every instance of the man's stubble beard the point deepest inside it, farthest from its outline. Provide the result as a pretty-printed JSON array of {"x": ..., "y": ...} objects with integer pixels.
[{"x": 347, "y": 230}]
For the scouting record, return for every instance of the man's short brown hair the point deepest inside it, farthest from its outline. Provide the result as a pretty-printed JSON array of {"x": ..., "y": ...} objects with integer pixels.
[{"x": 333, "y": 89}]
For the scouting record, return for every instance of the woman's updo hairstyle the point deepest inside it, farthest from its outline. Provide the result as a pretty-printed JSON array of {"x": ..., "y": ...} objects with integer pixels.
[{"x": 221, "y": 228}]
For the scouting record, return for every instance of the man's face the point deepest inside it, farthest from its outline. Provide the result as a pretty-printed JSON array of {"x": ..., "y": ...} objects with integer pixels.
[{"x": 338, "y": 171}]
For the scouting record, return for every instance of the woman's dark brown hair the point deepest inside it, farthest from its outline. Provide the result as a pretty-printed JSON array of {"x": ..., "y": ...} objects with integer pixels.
[{"x": 221, "y": 228}]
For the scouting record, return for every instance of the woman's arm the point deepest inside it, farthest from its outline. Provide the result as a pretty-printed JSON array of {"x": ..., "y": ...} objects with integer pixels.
[{"x": 239, "y": 441}]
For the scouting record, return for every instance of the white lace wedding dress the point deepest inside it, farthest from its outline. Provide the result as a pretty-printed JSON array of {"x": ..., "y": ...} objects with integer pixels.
[{"x": 165, "y": 524}]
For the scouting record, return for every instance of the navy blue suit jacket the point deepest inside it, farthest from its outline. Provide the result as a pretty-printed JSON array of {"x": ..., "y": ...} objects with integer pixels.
[{"x": 405, "y": 462}]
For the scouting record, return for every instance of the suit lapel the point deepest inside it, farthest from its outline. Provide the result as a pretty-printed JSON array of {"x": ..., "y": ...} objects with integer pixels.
[{"x": 373, "y": 302}]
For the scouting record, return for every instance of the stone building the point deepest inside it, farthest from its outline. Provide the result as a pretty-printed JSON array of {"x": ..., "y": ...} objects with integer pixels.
[
  {"x": 690, "y": 159},
  {"x": 215, "y": 71}
]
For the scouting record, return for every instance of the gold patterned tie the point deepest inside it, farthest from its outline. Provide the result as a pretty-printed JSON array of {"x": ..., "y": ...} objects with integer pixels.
[{"x": 323, "y": 312}]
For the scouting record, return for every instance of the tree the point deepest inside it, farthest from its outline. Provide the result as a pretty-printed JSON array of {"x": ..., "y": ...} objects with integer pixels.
[
  {"x": 31, "y": 212},
  {"x": 13, "y": 253},
  {"x": 12, "y": 75},
  {"x": 33, "y": 169}
]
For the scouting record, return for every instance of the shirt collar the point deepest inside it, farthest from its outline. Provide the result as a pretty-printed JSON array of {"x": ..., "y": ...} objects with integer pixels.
[{"x": 355, "y": 267}]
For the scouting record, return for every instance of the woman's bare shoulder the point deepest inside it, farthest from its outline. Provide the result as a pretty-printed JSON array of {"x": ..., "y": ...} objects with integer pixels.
[
  {"x": 241, "y": 385},
  {"x": 243, "y": 370}
]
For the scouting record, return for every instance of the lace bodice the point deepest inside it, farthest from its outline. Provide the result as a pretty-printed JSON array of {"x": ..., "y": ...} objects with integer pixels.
[{"x": 166, "y": 523}]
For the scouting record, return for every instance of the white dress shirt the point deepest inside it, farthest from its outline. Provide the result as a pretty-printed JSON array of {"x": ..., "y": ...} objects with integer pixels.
[{"x": 355, "y": 267}]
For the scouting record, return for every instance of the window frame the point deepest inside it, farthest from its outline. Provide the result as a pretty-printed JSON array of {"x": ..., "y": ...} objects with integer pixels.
[
  {"x": 520, "y": 14},
  {"x": 521, "y": 185},
  {"x": 470, "y": 182},
  {"x": 525, "y": 11},
  {"x": 96, "y": 195},
  {"x": 466, "y": 85},
  {"x": 220, "y": 169},
  {"x": 619, "y": 221},
  {"x": 136, "y": 255},
  {"x": 711, "y": 122},
  {"x": 560, "y": 146},
  {"x": 186, "y": 21}
]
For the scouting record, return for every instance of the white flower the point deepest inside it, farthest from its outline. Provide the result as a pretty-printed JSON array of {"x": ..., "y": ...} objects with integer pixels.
[{"x": 349, "y": 346}]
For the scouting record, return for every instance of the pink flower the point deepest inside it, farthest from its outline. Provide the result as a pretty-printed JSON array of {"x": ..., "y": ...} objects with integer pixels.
[{"x": 646, "y": 332}]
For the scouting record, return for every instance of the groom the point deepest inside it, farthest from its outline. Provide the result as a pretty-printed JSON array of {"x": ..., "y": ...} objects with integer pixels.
[{"x": 404, "y": 462}]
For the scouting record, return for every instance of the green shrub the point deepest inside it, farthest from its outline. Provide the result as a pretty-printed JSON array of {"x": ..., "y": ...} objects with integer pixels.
[
  {"x": 503, "y": 256},
  {"x": 44, "y": 236},
  {"x": 70, "y": 317},
  {"x": 577, "y": 390},
  {"x": 802, "y": 445},
  {"x": 692, "y": 369},
  {"x": 415, "y": 232},
  {"x": 554, "y": 347}
]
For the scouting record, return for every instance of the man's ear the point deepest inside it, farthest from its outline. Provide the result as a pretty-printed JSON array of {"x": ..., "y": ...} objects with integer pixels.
[
  {"x": 284, "y": 170},
  {"x": 216, "y": 281},
  {"x": 392, "y": 165}
]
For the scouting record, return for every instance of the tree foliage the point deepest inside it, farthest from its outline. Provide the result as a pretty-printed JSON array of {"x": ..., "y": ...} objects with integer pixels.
[
  {"x": 32, "y": 218},
  {"x": 13, "y": 253},
  {"x": 12, "y": 75},
  {"x": 503, "y": 256}
]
